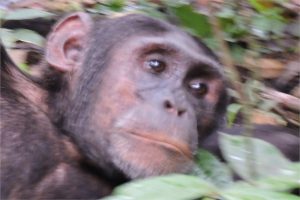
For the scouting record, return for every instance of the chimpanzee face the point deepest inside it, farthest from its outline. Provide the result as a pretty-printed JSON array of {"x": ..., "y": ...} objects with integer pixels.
[
  {"x": 157, "y": 91},
  {"x": 142, "y": 94}
]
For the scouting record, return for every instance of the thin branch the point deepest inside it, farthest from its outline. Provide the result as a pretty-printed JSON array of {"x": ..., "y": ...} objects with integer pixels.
[{"x": 283, "y": 99}]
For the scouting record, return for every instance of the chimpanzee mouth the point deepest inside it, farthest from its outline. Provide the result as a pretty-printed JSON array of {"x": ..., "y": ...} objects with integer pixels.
[{"x": 165, "y": 142}]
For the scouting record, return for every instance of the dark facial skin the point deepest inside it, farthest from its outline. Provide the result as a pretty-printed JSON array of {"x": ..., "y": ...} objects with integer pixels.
[
  {"x": 142, "y": 97},
  {"x": 156, "y": 88}
]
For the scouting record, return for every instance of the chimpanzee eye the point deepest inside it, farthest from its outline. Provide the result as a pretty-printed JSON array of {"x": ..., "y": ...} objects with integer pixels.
[
  {"x": 198, "y": 87},
  {"x": 156, "y": 66}
]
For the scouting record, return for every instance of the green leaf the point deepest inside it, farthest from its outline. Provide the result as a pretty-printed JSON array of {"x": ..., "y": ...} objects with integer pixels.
[
  {"x": 267, "y": 105},
  {"x": 24, "y": 67},
  {"x": 175, "y": 187},
  {"x": 264, "y": 156},
  {"x": 149, "y": 9},
  {"x": 253, "y": 193},
  {"x": 116, "y": 5},
  {"x": 7, "y": 37},
  {"x": 29, "y": 36},
  {"x": 233, "y": 25},
  {"x": 197, "y": 23},
  {"x": 231, "y": 92},
  {"x": 2, "y": 14},
  {"x": 279, "y": 183},
  {"x": 270, "y": 21},
  {"x": 216, "y": 171},
  {"x": 211, "y": 43},
  {"x": 26, "y": 13},
  {"x": 115, "y": 198},
  {"x": 283, "y": 182},
  {"x": 232, "y": 111},
  {"x": 250, "y": 91},
  {"x": 258, "y": 5},
  {"x": 226, "y": 13},
  {"x": 237, "y": 53}
]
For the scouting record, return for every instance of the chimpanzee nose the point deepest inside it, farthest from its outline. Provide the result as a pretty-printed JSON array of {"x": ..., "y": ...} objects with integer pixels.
[{"x": 172, "y": 108}]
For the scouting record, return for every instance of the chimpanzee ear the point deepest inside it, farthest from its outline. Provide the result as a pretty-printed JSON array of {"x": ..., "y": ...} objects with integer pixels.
[{"x": 67, "y": 40}]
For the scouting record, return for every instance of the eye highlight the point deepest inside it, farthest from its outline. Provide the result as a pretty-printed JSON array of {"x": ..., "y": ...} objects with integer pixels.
[
  {"x": 156, "y": 66},
  {"x": 198, "y": 87}
]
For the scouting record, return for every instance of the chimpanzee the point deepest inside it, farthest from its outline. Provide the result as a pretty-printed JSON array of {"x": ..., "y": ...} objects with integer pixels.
[{"x": 120, "y": 99}]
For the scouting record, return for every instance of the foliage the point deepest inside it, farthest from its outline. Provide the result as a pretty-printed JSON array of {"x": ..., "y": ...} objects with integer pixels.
[
  {"x": 197, "y": 23},
  {"x": 10, "y": 37},
  {"x": 248, "y": 31},
  {"x": 25, "y": 13},
  {"x": 271, "y": 182}
]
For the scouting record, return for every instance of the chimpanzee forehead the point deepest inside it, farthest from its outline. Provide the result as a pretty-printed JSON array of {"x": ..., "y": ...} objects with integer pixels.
[{"x": 173, "y": 42}]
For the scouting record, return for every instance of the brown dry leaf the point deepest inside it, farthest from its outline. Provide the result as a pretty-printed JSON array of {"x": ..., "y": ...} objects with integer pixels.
[
  {"x": 262, "y": 117},
  {"x": 205, "y": 2},
  {"x": 296, "y": 92},
  {"x": 266, "y": 67}
]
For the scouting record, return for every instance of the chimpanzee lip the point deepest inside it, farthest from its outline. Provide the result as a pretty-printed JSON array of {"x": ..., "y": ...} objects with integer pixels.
[{"x": 166, "y": 142}]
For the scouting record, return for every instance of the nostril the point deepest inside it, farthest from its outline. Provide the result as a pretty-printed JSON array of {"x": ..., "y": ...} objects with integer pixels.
[
  {"x": 168, "y": 104},
  {"x": 170, "y": 107},
  {"x": 181, "y": 112}
]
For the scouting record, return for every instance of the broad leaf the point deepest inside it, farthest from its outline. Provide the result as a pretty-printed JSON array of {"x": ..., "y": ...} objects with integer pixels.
[
  {"x": 2, "y": 14},
  {"x": 232, "y": 111},
  {"x": 253, "y": 193},
  {"x": 175, "y": 187},
  {"x": 215, "y": 171},
  {"x": 29, "y": 36},
  {"x": 26, "y": 13},
  {"x": 259, "y": 5},
  {"x": 253, "y": 158},
  {"x": 195, "y": 22},
  {"x": 7, "y": 37},
  {"x": 283, "y": 182}
]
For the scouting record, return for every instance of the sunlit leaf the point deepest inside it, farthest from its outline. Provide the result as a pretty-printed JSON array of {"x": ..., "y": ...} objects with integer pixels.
[
  {"x": 254, "y": 193},
  {"x": 29, "y": 36},
  {"x": 270, "y": 21},
  {"x": 175, "y": 187},
  {"x": 282, "y": 182},
  {"x": 7, "y": 37},
  {"x": 148, "y": 8},
  {"x": 24, "y": 67},
  {"x": 26, "y": 13},
  {"x": 227, "y": 13},
  {"x": 116, "y": 5},
  {"x": 237, "y": 151},
  {"x": 232, "y": 111},
  {"x": 259, "y": 4},
  {"x": 2, "y": 14}
]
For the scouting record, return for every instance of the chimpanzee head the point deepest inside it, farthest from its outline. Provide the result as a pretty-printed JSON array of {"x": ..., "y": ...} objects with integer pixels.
[{"x": 136, "y": 94}]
